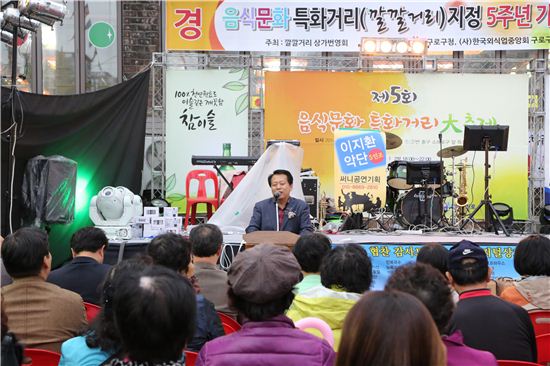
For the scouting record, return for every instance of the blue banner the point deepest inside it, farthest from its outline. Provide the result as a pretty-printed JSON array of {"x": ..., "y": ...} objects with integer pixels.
[
  {"x": 360, "y": 152},
  {"x": 387, "y": 257}
]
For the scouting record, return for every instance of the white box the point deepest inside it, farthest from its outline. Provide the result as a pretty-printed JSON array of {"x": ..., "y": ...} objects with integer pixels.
[
  {"x": 150, "y": 232},
  {"x": 142, "y": 220},
  {"x": 158, "y": 223},
  {"x": 170, "y": 212},
  {"x": 151, "y": 211}
]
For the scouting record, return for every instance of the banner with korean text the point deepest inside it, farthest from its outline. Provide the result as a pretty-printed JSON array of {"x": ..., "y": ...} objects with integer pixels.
[
  {"x": 311, "y": 106},
  {"x": 338, "y": 26},
  {"x": 359, "y": 170},
  {"x": 386, "y": 258},
  {"x": 205, "y": 109}
]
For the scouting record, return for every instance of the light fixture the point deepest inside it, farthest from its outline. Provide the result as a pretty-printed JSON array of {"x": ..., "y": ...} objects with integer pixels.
[
  {"x": 397, "y": 46},
  {"x": 7, "y": 37},
  {"x": 7, "y": 26},
  {"x": 12, "y": 16},
  {"x": 47, "y": 12},
  {"x": 113, "y": 210}
]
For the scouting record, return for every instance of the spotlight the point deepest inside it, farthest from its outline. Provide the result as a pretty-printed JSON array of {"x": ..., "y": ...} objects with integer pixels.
[
  {"x": 47, "y": 12},
  {"x": 13, "y": 17},
  {"x": 386, "y": 46},
  {"x": 7, "y": 37},
  {"x": 402, "y": 47},
  {"x": 418, "y": 47},
  {"x": 368, "y": 45}
]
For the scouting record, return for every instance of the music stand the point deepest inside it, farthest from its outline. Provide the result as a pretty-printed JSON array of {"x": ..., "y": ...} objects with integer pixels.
[
  {"x": 486, "y": 138},
  {"x": 424, "y": 173}
]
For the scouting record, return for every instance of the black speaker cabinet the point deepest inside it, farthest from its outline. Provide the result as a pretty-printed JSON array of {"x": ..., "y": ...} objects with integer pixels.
[{"x": 310, "y": 187}]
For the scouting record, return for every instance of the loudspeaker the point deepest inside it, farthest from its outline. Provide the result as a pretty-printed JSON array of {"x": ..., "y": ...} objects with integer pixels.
[
  {"x": 310, "y": 187},
  {"x": 48, "y": 190}
]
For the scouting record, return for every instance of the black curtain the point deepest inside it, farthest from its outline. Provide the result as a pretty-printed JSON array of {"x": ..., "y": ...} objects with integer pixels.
[{"x": 103, "y": 132}]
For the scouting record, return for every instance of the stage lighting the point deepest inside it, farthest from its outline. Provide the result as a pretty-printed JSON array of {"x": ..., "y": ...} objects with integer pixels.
[
  {"x": 47, "y": 12},
  {"x": 7, "y": 37},
  {"x": 8, "y": 27},
  {"x": 397, "y": 46},
  {"x": 113, "y": 210},
  {"x": 13, "y": 17}
]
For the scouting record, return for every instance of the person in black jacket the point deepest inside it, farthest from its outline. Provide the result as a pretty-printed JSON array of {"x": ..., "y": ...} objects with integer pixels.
[
  {"x": 86, "y": 272},
  {"x": 173, "y": 251},
  {"x": 487, "y": 322}
]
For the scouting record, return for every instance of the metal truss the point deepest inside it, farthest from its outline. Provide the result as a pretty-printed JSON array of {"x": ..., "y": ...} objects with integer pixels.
[{"x": 258, "y": 64}]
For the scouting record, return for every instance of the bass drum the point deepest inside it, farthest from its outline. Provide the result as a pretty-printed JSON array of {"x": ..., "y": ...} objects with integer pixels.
[{"x": 419, "y": 206}]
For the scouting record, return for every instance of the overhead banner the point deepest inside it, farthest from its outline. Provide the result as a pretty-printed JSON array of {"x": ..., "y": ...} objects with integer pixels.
[
  {"x": 416, "y": 108},
  {"x": 360, "y": 170},
  {"x": 205, "y": 109},
  {"x": 338, "y": 26}
]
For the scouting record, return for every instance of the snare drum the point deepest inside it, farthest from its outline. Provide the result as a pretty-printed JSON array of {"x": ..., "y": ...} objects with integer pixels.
[{"x": 397, "y": 175}]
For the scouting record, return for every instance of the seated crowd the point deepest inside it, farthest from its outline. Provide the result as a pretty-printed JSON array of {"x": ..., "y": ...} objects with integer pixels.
[{"x": 160, "y": 307}]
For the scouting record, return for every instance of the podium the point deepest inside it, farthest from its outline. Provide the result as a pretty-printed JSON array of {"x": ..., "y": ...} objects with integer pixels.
[{"x": 285, "y": 238}]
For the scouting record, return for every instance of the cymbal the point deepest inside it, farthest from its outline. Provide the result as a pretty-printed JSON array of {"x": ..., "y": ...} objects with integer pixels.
[
  {"x": 392, "y": 141},
  {"x": 451, "y": 151}
]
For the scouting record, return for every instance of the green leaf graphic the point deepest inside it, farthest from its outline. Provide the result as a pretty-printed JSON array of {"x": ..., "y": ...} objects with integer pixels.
[
  {"x": 234, "y": 86},
  {"x": 170, "y": 182},
  {"x": 174, "y": 197},
  {"x": 241, "y": 104},
  {"x": 244, "y": 76},
  {"x": 234, "y": 71}
]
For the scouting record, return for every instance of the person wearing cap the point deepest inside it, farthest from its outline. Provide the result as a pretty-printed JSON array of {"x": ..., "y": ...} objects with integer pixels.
[
  {"x": 261, "y": 282},
  {"x": 293, "y": 213},
  {"x": 487, "y": 322}
]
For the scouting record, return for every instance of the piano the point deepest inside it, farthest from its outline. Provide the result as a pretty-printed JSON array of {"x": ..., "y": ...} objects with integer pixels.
[{"x": 222, "y": 160}]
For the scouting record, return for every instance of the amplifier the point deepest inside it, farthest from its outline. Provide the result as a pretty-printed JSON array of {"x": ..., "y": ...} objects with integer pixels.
[{"x": 310, "y": 187}]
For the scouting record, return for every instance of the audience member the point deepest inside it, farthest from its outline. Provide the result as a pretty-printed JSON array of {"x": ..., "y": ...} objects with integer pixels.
[
  {"x": 41, "y": 314},
  {"x": 310, "y": 250},
  {"x": 206, "y": 241},
  {"x": 86, "y": 272},
  {"x": 487, "y": 322},
  {"x": 437, "y": 256},
  {"x": 174, "y": 252},
  {"x": 101, "y": 341},
  {"x": 154, "y": 313},
  {"x": 532, "y": 262},
  {"x": 12, "y": 351},
  {"x": 346, "y": 273},
  {"x": 434, "y": 254},
  {"x": 5, "y": 279},
  {"x": 261, "y": 281},
  {"x": 429, "y": 286},
  {"x": 390, "y": 328}
]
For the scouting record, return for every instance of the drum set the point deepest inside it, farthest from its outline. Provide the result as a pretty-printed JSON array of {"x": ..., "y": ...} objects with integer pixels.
[{"x": 427, "y": 194}]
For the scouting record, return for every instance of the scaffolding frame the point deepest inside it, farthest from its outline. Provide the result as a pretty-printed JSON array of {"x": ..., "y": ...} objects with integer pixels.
[{"x": 536, "y": 68}]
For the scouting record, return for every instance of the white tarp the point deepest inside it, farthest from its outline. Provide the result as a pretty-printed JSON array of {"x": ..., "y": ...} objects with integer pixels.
[{"x": 237, "y": 208}]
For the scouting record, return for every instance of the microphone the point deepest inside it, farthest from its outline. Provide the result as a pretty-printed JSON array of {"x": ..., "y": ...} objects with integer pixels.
[
  {"x": 440, "y": 136},
  {"x": 276, "y": 195}
]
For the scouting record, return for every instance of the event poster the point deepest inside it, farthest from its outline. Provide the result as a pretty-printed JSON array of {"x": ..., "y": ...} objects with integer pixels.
[
  {"x": 310, "y": 106},
  {"x": 359, "y": 170},
  {"x": 338, "y": 26},
  {"x": 205, "y": 109},
  {"x": 386, "y": 258}
]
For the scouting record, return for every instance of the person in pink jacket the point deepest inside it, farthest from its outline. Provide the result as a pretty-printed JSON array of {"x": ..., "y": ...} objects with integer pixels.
[{"x": 261, "y": 281}]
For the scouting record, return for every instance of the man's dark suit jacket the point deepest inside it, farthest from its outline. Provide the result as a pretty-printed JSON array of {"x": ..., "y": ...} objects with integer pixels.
[
  {"x": 83, "y": 275},
  {"x": 295, "y": 217}
]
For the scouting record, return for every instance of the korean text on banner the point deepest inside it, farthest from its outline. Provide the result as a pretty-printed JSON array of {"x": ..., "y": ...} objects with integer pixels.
[
  {"x": 338, "y": 26},
  {"x": 360, "y": 169}
]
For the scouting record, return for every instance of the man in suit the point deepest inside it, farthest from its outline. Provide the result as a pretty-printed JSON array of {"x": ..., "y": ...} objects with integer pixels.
[
  {"x": 206, "y": 241},
  {"x": 86, "y": 272},
  {"x": 41, "y": 314},
  {"x": 292, "y": 214}
]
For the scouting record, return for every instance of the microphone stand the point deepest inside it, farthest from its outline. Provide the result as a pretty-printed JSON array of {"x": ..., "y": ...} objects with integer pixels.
[
  {"x": 440, "y": 135},
  {"x": 276, "y": 196}
]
